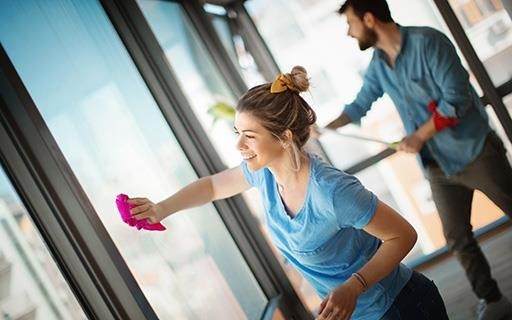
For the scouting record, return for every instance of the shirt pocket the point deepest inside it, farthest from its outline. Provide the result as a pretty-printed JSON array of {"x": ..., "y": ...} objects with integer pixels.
[{"x": 423, "y": 90}]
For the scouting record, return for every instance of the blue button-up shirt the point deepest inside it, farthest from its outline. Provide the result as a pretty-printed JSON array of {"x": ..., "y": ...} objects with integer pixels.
[{"x": 427, "y": 69}]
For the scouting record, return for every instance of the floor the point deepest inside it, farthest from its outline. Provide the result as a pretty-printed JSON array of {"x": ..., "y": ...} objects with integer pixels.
[{"x": 450, "y": 278}]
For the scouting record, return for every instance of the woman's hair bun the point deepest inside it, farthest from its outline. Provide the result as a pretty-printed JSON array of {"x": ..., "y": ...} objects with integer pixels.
[{"x": 299, "y": 77}]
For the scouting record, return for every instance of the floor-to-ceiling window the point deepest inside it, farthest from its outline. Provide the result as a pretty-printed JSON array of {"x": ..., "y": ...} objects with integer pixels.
[
  {"x": 488, "y": 26},
  {"x": 116, "y": 140},
  {"x": 31, "y": 285},
  {"x": 202, "y": 82},
  {"x": 227, "y": 27}
]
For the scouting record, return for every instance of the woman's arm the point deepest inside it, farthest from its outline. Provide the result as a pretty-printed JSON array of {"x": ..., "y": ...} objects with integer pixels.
[
  {"x": 398, "y": 237},
  {"x": 215, "y": 187}
]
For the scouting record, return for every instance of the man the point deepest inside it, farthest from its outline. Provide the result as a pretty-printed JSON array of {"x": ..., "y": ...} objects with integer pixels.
[{"x": 446, "y": 125}]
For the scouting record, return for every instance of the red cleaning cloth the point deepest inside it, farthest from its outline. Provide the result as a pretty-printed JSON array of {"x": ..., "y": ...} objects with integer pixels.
[{"x": 440, "y": 122}]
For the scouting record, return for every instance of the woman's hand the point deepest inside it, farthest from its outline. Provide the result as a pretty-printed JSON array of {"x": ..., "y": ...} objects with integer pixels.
[
  {"x": 145, "y": 208},
  {"x": 340, "y": 303}
]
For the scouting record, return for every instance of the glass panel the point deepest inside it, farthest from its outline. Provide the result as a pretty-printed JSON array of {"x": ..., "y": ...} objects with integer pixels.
[
  {"x": 234, "y": 44},
  {"x": 200, "y": 80},
  {"x": 488, "y": 26},
  {"x": 507, "y": 100},
  {"x": 31, "y": 285},
  {"x": 336, "y": 66},
  {"x": 115, "y": 139}
]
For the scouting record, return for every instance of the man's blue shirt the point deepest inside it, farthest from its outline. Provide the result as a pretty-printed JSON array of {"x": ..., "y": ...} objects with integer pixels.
[
  {"x": 427, "y": 69},
  {"x": 324, "y": 240}
]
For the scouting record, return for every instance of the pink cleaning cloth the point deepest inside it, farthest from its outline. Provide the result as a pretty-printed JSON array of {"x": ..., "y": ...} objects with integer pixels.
[{"x": 124, "y": 209}]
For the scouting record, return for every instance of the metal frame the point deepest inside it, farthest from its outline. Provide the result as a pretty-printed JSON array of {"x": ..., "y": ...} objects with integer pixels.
[
  {"x": 214, "y": 45},
  {"x": 491, "y": 94},
  {"x": 148, "y": 56},
  {"x": 503, "y": 90},
  {"x": 255, "y": 43},
  {"x": 66, "y": 220}
]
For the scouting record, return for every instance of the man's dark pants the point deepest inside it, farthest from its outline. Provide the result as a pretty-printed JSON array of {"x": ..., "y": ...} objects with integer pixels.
[{"x": 490, "y": 173}]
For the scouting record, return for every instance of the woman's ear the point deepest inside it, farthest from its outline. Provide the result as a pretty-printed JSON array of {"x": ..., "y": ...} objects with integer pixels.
[{"x": 287, "y": 138}]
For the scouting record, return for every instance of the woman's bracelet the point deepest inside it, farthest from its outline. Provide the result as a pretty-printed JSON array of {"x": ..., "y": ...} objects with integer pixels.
[{"x": 361, "y": 280}]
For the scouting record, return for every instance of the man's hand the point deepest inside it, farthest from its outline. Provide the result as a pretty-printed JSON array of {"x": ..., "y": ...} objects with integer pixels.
[
  {"x": 414, "y": 142},
  {"x": 411, "y": 144},
  {"x": 339, "y": 122}
]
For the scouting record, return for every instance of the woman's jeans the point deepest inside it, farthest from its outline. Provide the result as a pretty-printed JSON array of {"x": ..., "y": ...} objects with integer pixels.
[{"x": 418, "y": 300}]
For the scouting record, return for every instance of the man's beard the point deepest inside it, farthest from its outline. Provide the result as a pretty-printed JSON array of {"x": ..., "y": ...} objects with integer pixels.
[{"x": 368, "y": 40}]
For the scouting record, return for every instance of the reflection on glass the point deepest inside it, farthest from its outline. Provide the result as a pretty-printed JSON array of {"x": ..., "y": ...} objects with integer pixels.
[
  {"x": 31, "y": 285},
  {"x": 336, "y": 66},
  {"x": 115, "y": 139},
  {"x": 234, "y": 44},
  {"x": 496, "y": 125},
  {"x": 200, "y": 80},
  {"x": 488, "y": 26}
]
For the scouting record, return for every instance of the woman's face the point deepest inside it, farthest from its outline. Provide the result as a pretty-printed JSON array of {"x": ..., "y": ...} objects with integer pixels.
[{"x": 258, "y": 147}]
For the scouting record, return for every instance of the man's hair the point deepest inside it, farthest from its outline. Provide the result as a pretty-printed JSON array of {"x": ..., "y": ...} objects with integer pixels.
[{"x": 379, "y": 8}]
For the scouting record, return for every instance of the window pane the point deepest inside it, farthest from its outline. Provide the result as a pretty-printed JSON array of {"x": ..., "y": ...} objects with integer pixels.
[
  {"x": 200, "y": 80},
  {"x": 116, "y": 140},
  {"x": 488, "y": 26},
  {"x": 235, "y": 44},
  {"x": 31, "y": 285},
  {"x": 507, "y": 100},
  {"x": 336, "y": 66}
]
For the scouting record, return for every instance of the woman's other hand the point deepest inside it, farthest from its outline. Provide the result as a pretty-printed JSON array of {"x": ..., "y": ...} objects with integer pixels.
[{"x": 340, "y": 303}]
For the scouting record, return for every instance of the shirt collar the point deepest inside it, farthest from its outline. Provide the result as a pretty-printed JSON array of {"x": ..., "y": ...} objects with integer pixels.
[{"x": 404, "y": 35}]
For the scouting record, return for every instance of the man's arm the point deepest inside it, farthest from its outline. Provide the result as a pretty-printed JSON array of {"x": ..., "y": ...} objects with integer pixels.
[
  {"x": 414, "y": 142},
  {"x": 342, "y": 120},
  {"x": 370, "y": 91}
]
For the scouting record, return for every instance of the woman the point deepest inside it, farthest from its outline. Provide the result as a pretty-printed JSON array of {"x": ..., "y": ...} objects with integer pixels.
[{"x": 339, "y": 236}]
